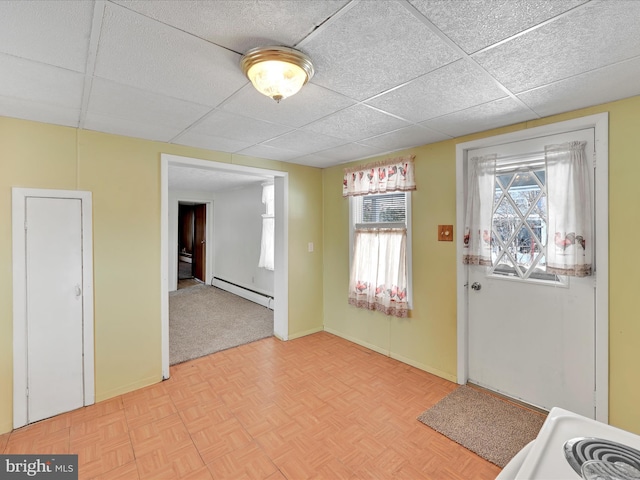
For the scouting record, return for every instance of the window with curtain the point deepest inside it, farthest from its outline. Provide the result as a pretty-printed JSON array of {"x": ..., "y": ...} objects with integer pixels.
[
  {"x": 267, "y": 243},
  {"x": 530, "y": 218},
  {"x": 380, "y": 221}
]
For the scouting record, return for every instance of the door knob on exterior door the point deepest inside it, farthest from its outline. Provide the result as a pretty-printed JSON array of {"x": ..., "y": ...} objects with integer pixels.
[{"x": 476, "y": 286}]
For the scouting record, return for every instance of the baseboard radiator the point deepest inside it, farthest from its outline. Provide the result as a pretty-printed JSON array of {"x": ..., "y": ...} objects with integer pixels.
[{"x": 252, "y": 295}]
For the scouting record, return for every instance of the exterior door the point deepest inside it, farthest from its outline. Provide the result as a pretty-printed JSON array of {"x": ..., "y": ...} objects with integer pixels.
[
  {"x": 532, "y": 338},
  {"x": 54, "y": 306},
  {"x": 199, "y": 241}
]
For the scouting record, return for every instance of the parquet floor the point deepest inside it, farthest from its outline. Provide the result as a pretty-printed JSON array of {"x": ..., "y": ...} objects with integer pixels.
[{"x": 318, "y": 407}]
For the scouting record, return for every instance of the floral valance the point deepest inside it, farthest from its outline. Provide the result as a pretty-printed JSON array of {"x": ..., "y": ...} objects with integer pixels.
[{"x": 394, "y": 175}]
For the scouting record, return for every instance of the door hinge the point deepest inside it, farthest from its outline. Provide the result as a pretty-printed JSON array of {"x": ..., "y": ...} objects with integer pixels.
[{"x": 595, "y": 398}]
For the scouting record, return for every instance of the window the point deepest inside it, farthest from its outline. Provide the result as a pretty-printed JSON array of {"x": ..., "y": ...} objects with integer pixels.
[
  {"x": 267, "y": 244},
  {"x": 380, "y": 260},
  {"x": 518, "y": 243},
  {"x": 530, "y": 218}
]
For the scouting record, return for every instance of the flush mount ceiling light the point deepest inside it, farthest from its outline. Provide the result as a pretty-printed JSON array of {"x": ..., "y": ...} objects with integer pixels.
[{"x": 277, "y": 72}]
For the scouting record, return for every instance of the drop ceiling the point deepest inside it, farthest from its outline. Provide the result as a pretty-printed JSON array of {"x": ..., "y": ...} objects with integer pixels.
[{"x": 389, "y": 74}]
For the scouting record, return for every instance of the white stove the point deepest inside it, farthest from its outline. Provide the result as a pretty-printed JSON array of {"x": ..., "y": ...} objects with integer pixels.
[{"x": 570, "y": 446}]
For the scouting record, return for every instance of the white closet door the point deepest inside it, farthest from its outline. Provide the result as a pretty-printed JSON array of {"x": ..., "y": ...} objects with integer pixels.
[{"x": 54, "y": 306}]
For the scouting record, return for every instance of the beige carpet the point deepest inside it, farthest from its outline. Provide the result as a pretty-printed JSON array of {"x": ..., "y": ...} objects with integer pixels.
[
  {"x": 204, "y": 319},
  {"x": 493, "y": 428}
]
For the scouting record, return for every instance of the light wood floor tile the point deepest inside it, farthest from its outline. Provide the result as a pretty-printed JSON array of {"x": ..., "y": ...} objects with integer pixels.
[
  {"x": 128, "y": 471},
  {"x": 318, "y": 407},
  {"x": 4, "y": 439}
]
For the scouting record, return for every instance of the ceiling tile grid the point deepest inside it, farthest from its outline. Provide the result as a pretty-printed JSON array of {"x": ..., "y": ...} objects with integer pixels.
[
  {"x": 476, "y": 24},
  {"x": 451, "y": 88},
  {"x": 55, "y": 33},
  {"x": 389, "y": 74},
  {"x": 116, "y": 104},
  {"x": 596, "y": 35},
  {"x": 373, "y": 47},
  {"x": 135, "y": 50}
]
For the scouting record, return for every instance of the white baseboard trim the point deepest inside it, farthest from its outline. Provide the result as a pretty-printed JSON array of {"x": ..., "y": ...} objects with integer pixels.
[
  {"x": 400, "y": 358},
  {"x": 370, "y": 346},
  {"x": 305, "y": 333},
  {"x": 426, "y": 368},
  {"x": 131, "y": 387},
  {"x": 259, "y": 298}
]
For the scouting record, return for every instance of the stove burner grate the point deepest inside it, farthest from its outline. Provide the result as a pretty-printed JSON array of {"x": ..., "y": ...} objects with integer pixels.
[{"x": 582, "y": 449}]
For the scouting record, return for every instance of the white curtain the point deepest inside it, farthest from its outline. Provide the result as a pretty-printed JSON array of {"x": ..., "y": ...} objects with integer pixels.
[
  {"x": 379, "y": 271},
  {"x": 569, "y": 248},
  {"x": 478, "y": 221},
  {"x": 267, "y": 244},
  {"x": 393, "y": 175}
]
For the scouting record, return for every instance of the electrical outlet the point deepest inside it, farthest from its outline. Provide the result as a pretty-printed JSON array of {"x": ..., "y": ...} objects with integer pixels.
[{"x": 310, "y": 247}]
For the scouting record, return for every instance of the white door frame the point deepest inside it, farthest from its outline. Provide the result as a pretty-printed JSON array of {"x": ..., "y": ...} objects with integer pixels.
[
  {"x": 185, "y": 197},
  {"x": 281, "y": 273},
  {"x": 600, "y": 123},
  {"x": 18, "y": 208}
]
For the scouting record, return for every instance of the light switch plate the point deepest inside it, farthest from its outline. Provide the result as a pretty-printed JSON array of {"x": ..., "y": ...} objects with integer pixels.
[{"x": 445, "y": 233}]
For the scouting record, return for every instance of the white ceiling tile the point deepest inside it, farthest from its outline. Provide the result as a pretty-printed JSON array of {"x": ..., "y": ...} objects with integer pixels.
[
  {"x": 351, "y": 151},
  {"x": 39, "y": 112},
  {"x": 237, "y": 127},
  {"x": 310, "y": 104},
  {"x": 56, "y": 33},
  {"x": 241, "y": 24},
  {"x": 272, "y": 153},
  {"x": 38, "y": 82},
  {"x": 304, "y": 142},
  {"x": 475, "y": 24},
  {"x": 129, "y": 128},
  {"x": 127, "y": 103},
  {"x": 449, "y": 89},
  {"x": 600, "y": 86},
  {"x": 315, "y": 160},
  {"x": 373, "y": 47},
  {"x": 211, "y": 142},
  {"x": 355, "y": 123},
  {"x": 505, "y": 111},
  {"x": 137, "y": 51},
  {"x": 404, "y": 138},
  {"x": 589, "y": 37}
]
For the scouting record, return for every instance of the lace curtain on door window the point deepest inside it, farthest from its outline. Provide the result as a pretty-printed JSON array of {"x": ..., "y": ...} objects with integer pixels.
[
  {"x": 570, "y": 243},
  {"x": 569, "y": 231},
  {"x": 267, "y": 243}
]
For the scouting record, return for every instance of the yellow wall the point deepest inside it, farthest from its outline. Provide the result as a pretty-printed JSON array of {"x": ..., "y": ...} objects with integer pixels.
[
  {"x": 123, "y": 175},
  {"x": 428, "y": 339}
]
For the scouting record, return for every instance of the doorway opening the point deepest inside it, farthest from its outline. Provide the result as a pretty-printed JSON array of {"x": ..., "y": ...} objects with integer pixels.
[
  {"x": 194, "y": 172},
  {"x": 476, "y": 284},
  {"x": 192, "y": 243}
]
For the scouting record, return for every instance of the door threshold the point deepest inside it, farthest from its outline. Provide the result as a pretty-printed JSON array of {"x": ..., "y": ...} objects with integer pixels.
[{"x": 509, "y": 399}]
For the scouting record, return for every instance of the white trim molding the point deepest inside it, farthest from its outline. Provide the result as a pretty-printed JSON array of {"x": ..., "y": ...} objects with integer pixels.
[
  {"x": 281, "y": 272},
  {"x": 18, "y": 208}
]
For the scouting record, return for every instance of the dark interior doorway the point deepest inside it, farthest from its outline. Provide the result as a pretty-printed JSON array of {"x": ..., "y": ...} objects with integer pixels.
[{"x": 192, "y": 247}]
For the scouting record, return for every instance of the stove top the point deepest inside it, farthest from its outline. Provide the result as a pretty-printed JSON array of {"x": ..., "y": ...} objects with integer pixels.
[
  {"x": 602, "y": 458},
  {"x": 567, "y": 441}
]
